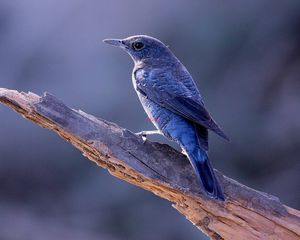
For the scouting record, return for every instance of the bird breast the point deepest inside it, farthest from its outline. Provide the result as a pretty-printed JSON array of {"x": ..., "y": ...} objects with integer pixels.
[{"x": 139, "y": 75}]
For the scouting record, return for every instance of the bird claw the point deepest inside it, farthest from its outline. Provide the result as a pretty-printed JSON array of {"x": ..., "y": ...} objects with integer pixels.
[
  {"x": 143, "y": 135},
  {"x": 184, "y": 152}
]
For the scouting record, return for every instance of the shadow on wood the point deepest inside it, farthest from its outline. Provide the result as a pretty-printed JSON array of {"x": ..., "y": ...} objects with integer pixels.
[{"x": 246, "y": 214}]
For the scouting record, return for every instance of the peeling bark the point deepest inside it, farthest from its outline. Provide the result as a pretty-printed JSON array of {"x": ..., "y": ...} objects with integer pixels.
[{"x": 246, "y": 213}]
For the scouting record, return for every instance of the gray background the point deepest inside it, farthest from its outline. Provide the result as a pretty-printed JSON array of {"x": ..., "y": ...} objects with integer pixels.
[{"x": 245, "y": 57}]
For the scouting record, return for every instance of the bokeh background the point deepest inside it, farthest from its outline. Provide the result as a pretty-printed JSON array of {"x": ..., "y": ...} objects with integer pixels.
[{"x": 245, "y": 57}]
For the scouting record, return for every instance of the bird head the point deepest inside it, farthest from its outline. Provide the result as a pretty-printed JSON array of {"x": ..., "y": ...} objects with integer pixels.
[{"x": 142, "y": 48}]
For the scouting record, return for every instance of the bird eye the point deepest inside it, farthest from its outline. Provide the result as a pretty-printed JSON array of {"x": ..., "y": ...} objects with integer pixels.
[{"x": 138, "y": 45}]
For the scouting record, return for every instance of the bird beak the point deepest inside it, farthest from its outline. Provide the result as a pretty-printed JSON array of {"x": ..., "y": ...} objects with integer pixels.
[{"x": 114, "y": 42}]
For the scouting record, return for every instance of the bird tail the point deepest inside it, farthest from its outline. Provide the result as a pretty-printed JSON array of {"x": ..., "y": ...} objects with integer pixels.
[{"x": 205, "y": 173}]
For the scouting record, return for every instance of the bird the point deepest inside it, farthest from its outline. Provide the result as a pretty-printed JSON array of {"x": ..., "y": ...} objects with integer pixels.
[{"x": 173, "y": 102}]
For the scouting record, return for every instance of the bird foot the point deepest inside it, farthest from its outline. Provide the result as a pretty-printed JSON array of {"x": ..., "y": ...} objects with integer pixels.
[
  {"x": 184, "y": 152},
  {"x": 144, "y": 134}
]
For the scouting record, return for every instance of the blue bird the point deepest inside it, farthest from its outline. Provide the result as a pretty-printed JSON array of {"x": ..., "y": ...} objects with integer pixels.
[{"x": 172, "y": 101}]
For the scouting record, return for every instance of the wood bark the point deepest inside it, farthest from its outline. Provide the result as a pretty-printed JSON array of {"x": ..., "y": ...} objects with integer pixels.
[{"x": 246, "y": 213}]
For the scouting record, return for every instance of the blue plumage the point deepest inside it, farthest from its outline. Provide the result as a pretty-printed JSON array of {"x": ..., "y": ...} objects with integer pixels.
[{"x": 172, "y": 101}]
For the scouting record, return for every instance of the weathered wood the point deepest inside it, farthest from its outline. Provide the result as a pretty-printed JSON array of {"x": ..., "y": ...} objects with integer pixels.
[{"x": 246, "y": 214}]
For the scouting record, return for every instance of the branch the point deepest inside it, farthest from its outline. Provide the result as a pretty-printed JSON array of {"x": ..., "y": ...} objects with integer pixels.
[{"x": 246, "y": 214}]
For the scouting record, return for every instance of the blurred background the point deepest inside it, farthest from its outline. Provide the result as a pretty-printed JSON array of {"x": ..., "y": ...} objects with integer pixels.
[{"x": 245, "y": 57}]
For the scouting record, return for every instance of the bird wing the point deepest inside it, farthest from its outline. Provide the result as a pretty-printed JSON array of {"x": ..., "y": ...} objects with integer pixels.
[{"x": 178, "y": 94}]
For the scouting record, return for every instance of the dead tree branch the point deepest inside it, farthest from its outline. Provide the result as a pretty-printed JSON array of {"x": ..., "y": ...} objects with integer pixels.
[{"x": 246, "y": 214}]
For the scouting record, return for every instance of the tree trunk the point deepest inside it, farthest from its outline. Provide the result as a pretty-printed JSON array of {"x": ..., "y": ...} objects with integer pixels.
[{"x": 246, "y": 213}]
